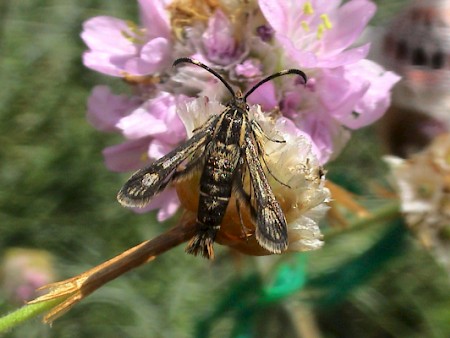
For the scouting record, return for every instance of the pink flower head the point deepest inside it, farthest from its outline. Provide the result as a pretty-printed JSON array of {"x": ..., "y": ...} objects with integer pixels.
[
  {"x": 244, "y": 43},
  {"x": 344, "y": 89},
  {"x": 120, "y": 48},
  {"x": 317, "y": 33}
]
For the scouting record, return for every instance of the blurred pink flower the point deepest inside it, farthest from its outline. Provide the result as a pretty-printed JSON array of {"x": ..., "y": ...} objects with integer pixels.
[{"x": 22, "y": 271}]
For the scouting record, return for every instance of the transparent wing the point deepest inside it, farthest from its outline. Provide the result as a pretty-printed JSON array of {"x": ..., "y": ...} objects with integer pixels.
[{"x": 271, "y": 228}]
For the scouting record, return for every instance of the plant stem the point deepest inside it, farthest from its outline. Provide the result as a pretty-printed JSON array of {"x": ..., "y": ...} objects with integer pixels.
[
  {"x": 26, "y": 312},
  {"x": 384, "y": 213}
]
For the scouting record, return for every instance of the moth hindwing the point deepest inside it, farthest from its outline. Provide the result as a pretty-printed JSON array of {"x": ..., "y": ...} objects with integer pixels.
[{"x": 227, "y": 147}]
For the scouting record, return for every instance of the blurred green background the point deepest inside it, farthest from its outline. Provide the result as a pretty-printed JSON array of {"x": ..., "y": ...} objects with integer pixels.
[{"x": 57, "y": 195}]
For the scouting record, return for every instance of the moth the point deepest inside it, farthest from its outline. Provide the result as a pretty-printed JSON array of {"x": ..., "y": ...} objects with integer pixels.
[{"x": 225, "y": 148}]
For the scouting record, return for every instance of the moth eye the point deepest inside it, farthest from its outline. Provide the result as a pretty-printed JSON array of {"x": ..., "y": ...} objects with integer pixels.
[{"x": 247, "y": 107}]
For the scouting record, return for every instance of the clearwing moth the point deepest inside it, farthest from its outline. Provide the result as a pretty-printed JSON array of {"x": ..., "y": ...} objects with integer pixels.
[{"x": 224, "y": 148}]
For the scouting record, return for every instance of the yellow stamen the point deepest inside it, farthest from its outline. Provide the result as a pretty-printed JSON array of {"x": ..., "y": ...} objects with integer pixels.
[
  {"x": 143, "y": 157},
  {"x": 135, "y": 29},
  {"x": 325, "y": 25},
  {"x": 305, "y": 26},
  {"x": 137, "y": 35},
  {"x": 326, "y": 21},
  {"x": 308, "y": 8},
  {"x": 187, "y": 12},
  {"x": 320, "y": 31}
]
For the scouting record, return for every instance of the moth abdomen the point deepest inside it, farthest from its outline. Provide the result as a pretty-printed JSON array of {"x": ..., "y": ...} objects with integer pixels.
[{"x": 203, "y": 241}]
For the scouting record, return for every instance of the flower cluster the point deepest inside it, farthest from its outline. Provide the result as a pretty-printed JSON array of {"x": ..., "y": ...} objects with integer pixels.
[
  {"x": 244, "y": 41},
  {"x": 423, "y": 185}
]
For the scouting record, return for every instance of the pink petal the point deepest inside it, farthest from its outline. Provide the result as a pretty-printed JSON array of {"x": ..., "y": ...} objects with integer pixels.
[
  {"x": 348, "y": 23},
  {"x": 158, "y": 149},
  {"x": 249, "y": 68},
  {"x": 167, "y": 202},
  {"x": 101, "y": 62},
  {"x": 141, "y": 123},
  {"x": 339, "y": 94},
  {"x": 106, "y": 109},
  {"x": 218, "y": 39},
  {"x": 276, "y": 13},
  {"x": 127, "y": 156},
  {"x": 377, "y": 99},
  {"x": 319, "y": 132},
  {"x": 343, "y": 58},
  {"x": 170, "y": 206},
  {"x": 105, "y": 34},
  {"x": 327, "y": 136},
  {"x": 302, "y": 58},
  {"x": 265, "y": 96},
  {"x": 155, "y": 18},
  {"x": 154, "y": 57},
  {"x": 154, "y": 118}
]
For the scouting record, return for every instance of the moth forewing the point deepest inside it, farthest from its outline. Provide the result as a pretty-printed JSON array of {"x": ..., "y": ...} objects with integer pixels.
[
  {"x": 144, "y": 184},
  {"x": 271, "y": 227}
]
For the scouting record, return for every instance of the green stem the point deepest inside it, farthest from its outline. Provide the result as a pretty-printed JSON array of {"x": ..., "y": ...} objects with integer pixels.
[{"x": 26, "y": 312}]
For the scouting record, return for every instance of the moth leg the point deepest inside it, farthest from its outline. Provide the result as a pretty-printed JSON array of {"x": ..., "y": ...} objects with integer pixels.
[
  {"x": 257, "y": 128},
  {"x": 261, "y": 150},
  {"x": 245, "y": 231},
  {"x": 242, "y": 197}
]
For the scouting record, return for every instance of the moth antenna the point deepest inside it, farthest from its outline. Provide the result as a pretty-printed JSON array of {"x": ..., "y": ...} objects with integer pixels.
[
  {"x": 212, "y": 71},
  {"x": 273, "y": 76}
]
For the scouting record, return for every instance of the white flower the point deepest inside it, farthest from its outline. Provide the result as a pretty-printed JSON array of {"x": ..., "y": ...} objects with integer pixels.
[{"x": 423, "y": 186}]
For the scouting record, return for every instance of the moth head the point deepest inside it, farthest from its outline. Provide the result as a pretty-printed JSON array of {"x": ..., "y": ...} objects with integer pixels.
[{"x": 239, "y": 101}]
